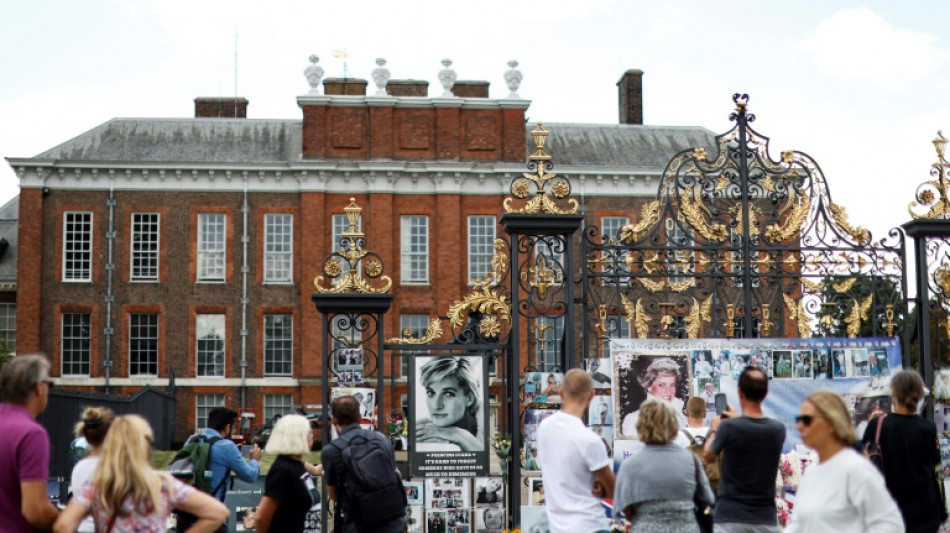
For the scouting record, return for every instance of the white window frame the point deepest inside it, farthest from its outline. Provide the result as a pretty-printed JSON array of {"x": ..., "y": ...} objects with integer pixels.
[
  {"x": 204, "y": 330},
  {"x": 277, "y": 404},
  {"x": 136, "y": 350},
  {"x": 622, "y": 331},
  {"x": 8, "y": 326},
  {"x": 278, "y": 254},
  {"x": 72, "y": 355},
  {"x": 610, "y": 227},
  {"x": 204, "y": 403},
  {"x": 212, "y": 253},
  {"x": 481, "y": 240},
  {"x": 77, "y": 247},
  {"x": 414, "y": 249},
  {"x": 145, "y": 248},
  {"x": 271, "y": 344},
  {"x": 418, "y": 324}
]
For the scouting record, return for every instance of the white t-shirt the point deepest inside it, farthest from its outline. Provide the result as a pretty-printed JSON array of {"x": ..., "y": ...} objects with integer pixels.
[
  {"x": 845, "y": 494},
  {"x": 577, "y": 452},
  {"x": 82, "y": 473}
]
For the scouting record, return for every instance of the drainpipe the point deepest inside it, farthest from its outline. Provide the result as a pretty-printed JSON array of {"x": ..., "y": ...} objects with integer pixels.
[
  {"x": 245, "y": 208},
  {"x": 110, "y": 269}
]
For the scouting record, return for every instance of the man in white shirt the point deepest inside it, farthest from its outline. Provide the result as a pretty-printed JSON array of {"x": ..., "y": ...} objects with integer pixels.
[{"x": 576, "y": 458}]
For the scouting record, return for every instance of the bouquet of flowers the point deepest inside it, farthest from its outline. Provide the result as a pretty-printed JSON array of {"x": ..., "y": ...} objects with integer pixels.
[
  {"x": 781, "y": 509},
  {"x": 617, "y": 527},
  {"x": 790, "y": 468},
  {"x": 502, "y": 447}
]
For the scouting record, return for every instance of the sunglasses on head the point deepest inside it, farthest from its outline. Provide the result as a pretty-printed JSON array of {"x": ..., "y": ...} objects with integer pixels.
[{"x": 804, "y": 420}]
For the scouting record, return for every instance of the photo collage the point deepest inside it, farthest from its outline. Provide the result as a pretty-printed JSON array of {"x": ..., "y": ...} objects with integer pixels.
[
  {"x": 349, "y": 365},
  {"x": 447, "y": 505}
]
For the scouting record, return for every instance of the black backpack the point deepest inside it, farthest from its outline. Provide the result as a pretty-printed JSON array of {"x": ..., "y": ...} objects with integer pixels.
[{"x": 373, "y": 493}]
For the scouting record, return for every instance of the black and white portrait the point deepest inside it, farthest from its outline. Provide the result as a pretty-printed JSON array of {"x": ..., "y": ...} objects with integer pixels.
[
  {"x": 489, "y": 492},
  {"x": 643, "y": 376},
  {"x": 349, "y": 359},
  {"x": 450, "y": 398},
  {"x": 490, "y": 520},
  {"x": 601, "y": 371}
]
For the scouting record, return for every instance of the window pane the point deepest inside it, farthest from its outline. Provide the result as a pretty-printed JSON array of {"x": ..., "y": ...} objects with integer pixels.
[
  {"x": 76, "y": 344},
  {"x": 278, "y": 247},
  {"x": 8, "y": 326},
  {"x": 145, "y": 246},
  {"x": 277, "y": 404},
  {"x": 415, "y": 249},
  {"x": 417, "y": 325},
  {"x": 211, "y": 246},
  {"x": 204, "y": 403},
  {"x": 481, "y": 237},
  {"x": 209, "y": 352},
  {"x": 143, "y": 344},
  {"x": 77, "y": 246},
  {"x": 278, "y": 345}
]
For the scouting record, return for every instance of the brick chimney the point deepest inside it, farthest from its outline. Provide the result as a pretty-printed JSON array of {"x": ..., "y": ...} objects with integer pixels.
[
  {"x": 220, "y": 107},
  {"x": 630, "y": 88},
  {"x": 407, "y": 88},
  {"x": 470, "y": 89},
  {"x": 344, "y": 86}
]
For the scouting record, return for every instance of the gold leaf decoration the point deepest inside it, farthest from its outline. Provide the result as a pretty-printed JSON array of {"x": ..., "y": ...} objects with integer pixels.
[
  {"x": 697, "y": 314},
  {"x": 861, "y": 235},
  {"x": 649, "y": 217},
  {"x": 811, "y": 286},
  {"x": 652, "y": 285},
  {"x": 796, "y": 311},
  {"x": 793, "y": 222},
  {"x": 485, "y": 301},
  {"x": 651, "y": 263},
  {"x": 643, "y": 327},
  {"x": 844, "y": 285},
  {"x": 489, "y": 327},
  {"x": 859, "y": 312},
  {"x": 693, "y": 212},
  {"x": 433, "y": 333},
  {"x": 682, "y": 285}
]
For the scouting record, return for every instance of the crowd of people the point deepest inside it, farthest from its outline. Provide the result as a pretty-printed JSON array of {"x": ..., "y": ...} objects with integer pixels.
[{"x": 664, "y": 487}]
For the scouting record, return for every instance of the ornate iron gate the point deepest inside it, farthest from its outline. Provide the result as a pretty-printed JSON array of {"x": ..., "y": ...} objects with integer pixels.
[{"x": 737, "y": 244}]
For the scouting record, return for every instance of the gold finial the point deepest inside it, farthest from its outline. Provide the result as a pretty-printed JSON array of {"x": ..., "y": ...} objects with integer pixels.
[
  {"x": 353, "y": 217},
  {"x": 730, "y": 323},
  {"x": 546, "y": 184},
  {"x": 540, "y": 136},
  {"x": 351, "y": 257},
  {"x": 940, "y": 143},
  {"x": 938, "y": 204}
]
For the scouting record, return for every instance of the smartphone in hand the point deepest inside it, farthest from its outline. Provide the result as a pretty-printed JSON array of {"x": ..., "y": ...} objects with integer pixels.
[{"x": 720, "y": 403}]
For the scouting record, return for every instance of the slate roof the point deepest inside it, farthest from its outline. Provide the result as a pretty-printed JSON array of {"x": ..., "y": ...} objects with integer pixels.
[
  {"x": 274, "y": 141},
  {"x": 9, "y": 216}
]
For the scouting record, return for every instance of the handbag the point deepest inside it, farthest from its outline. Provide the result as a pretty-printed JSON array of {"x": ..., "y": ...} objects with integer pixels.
[
  {"x": 703, "y": 511},
  {"x": 873, "y": 451}
]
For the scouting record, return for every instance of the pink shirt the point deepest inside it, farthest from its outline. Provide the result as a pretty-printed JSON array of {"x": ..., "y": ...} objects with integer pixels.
[
  {"x": 24, "y": 456},
  {"x": 137, "y": 519}
]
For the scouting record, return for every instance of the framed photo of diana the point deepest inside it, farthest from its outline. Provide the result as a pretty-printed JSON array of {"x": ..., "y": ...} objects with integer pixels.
[{"x": 448, "y": 416}]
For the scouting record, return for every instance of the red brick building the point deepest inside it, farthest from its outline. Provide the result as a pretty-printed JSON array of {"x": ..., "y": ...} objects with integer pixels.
[{"x": 187, "y": 248}]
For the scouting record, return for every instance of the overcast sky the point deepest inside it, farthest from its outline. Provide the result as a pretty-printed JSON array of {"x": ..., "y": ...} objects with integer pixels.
[{"x": 860, "y": 86}]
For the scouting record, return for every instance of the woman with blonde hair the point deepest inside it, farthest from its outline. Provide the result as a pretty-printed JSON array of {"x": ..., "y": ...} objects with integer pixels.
[
  {"x": 92, "y": 426},
  {"x": 843, "y": 492},
  {"x": 657, "y": 487},
  {"x": 290, "y": 495},
  {"x": 127, "y": 495}
]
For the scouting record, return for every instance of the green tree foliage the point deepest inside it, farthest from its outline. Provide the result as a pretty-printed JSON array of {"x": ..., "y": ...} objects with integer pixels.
[{"x": 861, "y": 303}]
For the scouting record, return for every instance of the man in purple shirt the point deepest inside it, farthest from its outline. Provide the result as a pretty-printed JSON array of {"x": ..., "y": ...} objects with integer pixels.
[{"x": 24, "y": 448}]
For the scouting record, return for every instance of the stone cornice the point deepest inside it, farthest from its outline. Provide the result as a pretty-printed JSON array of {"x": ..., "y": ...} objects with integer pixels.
[
  {"x": 416, "y": 102},
  {"x": 395, "y": 177}
]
